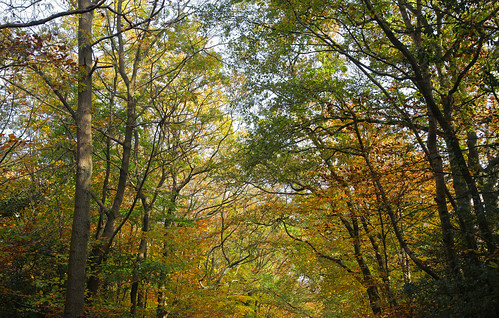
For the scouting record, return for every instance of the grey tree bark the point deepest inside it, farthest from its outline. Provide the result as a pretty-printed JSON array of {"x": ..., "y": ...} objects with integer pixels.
[{"x": 75, "y": 291}]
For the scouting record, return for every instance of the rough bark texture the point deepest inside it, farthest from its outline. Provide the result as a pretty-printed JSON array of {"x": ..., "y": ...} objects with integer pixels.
[{"x": 75, "y": 292}]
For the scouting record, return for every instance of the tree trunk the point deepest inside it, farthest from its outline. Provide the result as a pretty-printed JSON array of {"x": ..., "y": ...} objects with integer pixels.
[
  {"x": 440, "y": 194},
  {"x": 383, "y": 198},
  {"x": 382, "y": 266},
  {"x": 100, "y": 251},
  {"x": 369, "y": 282},
  {"x": 140, "y": 258},
  {"x": 161, "y": 308},
  {"x": 75, "y": 292},
  {"x": 422, "y": 79}
]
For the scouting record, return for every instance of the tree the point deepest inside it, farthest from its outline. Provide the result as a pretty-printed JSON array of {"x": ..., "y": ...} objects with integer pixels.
[
  {"x": 249, "y": 158},
  {"x": 75, "y": 291},
  {"x": 416, "y": 82}
]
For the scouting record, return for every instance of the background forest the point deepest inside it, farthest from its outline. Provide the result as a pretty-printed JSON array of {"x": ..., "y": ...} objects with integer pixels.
[{"x": 249, "y": 158}]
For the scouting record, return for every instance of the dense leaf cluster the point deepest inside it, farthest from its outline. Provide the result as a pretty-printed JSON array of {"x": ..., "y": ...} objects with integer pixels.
[{"x": 268, "y": 158}]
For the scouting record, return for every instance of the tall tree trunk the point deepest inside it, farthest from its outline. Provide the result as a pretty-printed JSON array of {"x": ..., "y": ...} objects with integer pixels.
[
  {"x": 100, "y": 251},
  {"x": 382, "y": 266},
  {"x": 387, "y": 206},
  {"x": 161, "y": 308},
  {"x": 134, "y": 292},
  {"x": 423, "y": 80},
  {"x": 75, "y": 292},
  {"x": 489, "y": 188},
  {"x": 486, "y": 177},
  {"x": 440, "y": 194},
  {"x": 369, "y": 282}
]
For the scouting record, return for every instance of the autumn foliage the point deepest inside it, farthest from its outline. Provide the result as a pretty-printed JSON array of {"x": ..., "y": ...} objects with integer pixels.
[{"x": 250, "y": 158}]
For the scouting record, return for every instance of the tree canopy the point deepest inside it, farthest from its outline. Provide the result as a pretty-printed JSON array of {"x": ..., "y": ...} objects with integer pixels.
[{"x": 241, "y": 158}]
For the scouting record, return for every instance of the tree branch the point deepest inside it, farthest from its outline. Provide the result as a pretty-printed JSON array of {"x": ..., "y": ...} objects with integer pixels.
[{"x": 51, "y": 17}]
